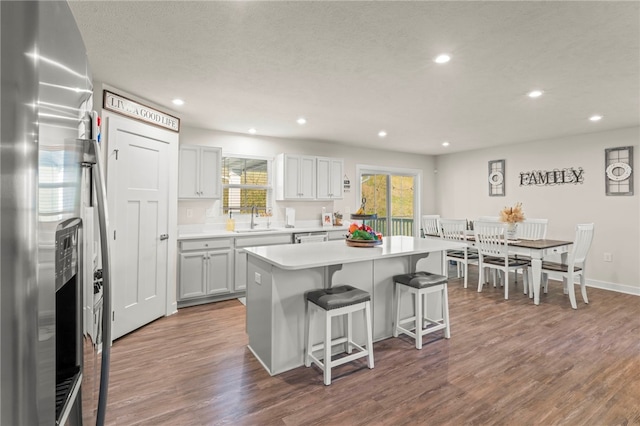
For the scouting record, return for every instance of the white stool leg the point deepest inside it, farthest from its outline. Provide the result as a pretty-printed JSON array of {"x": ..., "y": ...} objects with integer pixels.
[
  {"x": 445, "y": 311},
  {"x": 349, "y": 332},
  {"x": 397, "y": 313},
  {"x": 327, "y": 348},
  {"x": 307, "y": 320},
  {"x": 368, "y": 327},
  {"x": 419, "y": 318}
]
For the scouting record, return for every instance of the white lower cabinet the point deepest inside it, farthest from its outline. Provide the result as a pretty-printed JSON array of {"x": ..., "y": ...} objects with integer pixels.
[
  {"x": 240, "y": 279},
  {"x": 205, "y": 269}
]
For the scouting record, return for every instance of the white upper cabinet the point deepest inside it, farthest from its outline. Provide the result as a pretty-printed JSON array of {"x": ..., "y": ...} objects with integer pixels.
[
  {"x": 329, "y": 178},
  {"x": 199, "y": 172},
  {"x": 295, "y": 177}
]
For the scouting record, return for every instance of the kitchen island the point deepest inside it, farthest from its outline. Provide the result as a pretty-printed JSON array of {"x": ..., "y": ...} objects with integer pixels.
[{"x": 278, "y": 277}]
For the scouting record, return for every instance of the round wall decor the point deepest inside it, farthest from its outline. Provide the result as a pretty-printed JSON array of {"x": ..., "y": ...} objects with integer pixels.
[
  {"x": 496, "y": 178},
  {"x": 618, "y": 171}
]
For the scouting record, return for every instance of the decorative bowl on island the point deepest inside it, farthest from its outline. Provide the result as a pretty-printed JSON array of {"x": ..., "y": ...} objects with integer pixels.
[{"x": 363, "y": 236}]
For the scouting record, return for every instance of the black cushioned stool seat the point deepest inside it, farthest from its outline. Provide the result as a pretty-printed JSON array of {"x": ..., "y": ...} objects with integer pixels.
[
  {"x": 337, "y": 297},
  {"x": 420, "y": 279},
  {"x": 420, "y": 284},
  {"x": 339, "y": 301}
]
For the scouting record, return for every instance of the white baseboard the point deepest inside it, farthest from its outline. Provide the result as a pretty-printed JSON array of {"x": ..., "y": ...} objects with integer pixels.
[
  {"x": 604, "y": 285},
  {"x": 620, "y": 288}
]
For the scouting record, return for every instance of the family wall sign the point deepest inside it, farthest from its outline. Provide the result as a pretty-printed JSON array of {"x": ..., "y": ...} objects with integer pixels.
[{"x": 569, "y": 175}]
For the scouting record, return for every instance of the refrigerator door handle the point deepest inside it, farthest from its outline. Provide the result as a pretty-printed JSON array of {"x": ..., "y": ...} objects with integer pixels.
[{"x": 101, "y": 195}]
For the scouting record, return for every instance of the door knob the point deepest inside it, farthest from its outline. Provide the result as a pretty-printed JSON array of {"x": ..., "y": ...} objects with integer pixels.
[{"x": 164, "y": 236}]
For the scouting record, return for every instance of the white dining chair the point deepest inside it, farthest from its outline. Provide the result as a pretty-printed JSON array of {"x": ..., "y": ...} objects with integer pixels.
[
  {"x": 530, "y": 229},
  {"x": 454, "y": 230},
  {"x": 431, "y": 224},
  {"x": 493, "y": 253},
  {"x": 575, "y": 266}
]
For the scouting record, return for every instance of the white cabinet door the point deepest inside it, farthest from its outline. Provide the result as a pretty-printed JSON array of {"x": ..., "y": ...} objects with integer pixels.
[
  {"x": 335, "y": 178},
  {"x": 210, "y": 181},
  {"x": 188, "y": 175},
  {"x": 240, "y": 277},
  {"x": 219, "y": 271},
  {"x": 291, "y": 178},
  {"x": 307, "y": 175},
  {"x": 192, "y": 275},
  {"x": 199, "y": 173},
  {"x": 297, "y": 177},
  {"x": 330, "y": 171}
]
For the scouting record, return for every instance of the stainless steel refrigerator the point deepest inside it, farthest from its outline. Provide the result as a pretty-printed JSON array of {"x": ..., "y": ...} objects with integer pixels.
[{"x": 54, "y": 316}]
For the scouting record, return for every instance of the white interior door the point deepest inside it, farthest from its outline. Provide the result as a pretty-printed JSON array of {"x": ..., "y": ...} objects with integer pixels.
[{"x": 140, "y": 206}]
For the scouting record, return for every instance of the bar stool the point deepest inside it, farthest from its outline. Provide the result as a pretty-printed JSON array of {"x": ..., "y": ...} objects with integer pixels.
[
  {"x": 330, "y": 303},
  {"x": 420, "y": 284}
]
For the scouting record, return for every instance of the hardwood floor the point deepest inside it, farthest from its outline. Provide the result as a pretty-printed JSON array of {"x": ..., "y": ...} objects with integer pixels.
[{"x": 508, "y": 362}]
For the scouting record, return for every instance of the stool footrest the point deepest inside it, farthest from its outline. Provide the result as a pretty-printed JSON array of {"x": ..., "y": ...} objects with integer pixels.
[
  {"x": 334, "y": 342},
  {"x": 411, "y": 332}
]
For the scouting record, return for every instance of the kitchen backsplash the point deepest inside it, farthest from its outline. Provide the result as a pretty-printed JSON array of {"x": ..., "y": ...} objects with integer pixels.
[{"x": 199, "y": 212}]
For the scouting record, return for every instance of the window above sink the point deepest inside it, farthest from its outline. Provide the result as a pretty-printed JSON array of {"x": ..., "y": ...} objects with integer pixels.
[{"x": 246, "y": 183}]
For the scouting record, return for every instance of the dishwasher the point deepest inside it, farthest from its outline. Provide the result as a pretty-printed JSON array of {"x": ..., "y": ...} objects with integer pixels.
[{"x": 310, "y": 237}]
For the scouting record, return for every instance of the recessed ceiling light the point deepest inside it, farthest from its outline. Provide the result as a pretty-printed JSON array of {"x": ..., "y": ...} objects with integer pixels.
[
  {"x": 301, "y": 121},
  {"x": 178, "y": 102},
  {"x": 595, "y": 118},
  {"x": 252, "y": 131},
  {"x": 382, "y": 133},
  {"x": 445, "y": 143},
  {"x": 442, "y": 59},
  {"x": 535, "y": 93}
]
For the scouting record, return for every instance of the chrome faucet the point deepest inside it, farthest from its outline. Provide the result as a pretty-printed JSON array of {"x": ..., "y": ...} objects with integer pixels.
[{"x": 254, "y": 213}]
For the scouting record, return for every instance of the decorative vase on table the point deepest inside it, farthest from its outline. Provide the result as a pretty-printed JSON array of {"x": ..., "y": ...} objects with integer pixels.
[{"x": 511, "y": 216}]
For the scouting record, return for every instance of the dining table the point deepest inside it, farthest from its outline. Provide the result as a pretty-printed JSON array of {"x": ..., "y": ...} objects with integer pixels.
[{"x": 537, "y": 250}]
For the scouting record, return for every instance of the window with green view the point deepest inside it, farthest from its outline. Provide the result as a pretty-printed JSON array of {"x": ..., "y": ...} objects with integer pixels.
[{"x": 245, "y": 183}]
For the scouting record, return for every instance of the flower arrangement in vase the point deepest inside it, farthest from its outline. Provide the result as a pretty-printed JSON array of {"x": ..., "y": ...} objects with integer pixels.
[{"x": 512, "y": 216}]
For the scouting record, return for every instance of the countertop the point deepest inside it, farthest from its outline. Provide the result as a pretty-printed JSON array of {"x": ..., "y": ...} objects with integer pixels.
[{"x": 312, "y": 255}]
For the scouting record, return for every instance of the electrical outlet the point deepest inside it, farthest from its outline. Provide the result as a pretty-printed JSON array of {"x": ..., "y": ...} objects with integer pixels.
[
  {"x": 607, "y": 257},
  {"x": 189, "y": 212},
  {"x": 258, "y": 278}
]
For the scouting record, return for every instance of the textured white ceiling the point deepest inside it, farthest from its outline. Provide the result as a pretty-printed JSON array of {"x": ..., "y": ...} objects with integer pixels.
[{"x": 354, "y": 68}]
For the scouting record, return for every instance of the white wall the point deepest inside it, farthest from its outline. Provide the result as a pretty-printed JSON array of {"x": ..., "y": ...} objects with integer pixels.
[
  {"x": 234, "y": 143},
  {"x": 462, "y": 192}
]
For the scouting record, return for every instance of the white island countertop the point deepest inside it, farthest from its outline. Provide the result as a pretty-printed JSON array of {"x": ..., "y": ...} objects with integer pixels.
[{"x": 312, "y": 255}]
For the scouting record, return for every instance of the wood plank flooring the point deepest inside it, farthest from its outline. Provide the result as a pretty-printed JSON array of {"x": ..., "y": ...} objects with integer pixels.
[{"x": 508, "y": 362}]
